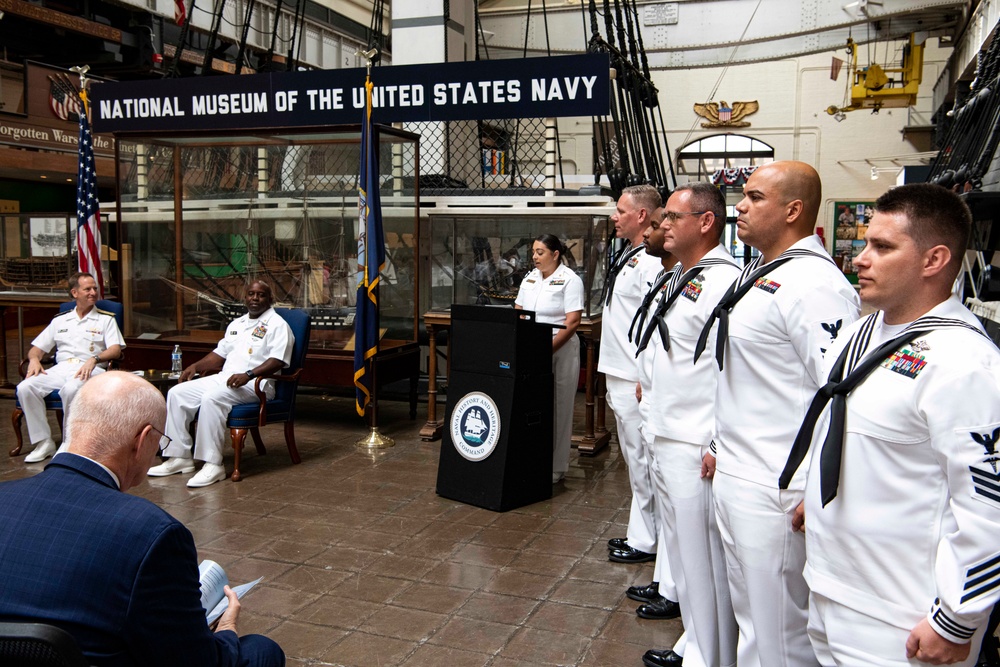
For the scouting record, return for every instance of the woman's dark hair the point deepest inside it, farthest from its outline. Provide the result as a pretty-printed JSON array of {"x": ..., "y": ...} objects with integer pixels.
[{"x": 553, "y": 243}]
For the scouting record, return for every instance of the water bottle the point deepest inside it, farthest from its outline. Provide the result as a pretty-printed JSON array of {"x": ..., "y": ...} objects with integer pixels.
[{"x": 175, "y": 362}]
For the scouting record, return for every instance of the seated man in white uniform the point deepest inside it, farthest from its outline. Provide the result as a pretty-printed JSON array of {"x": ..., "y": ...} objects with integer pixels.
[
  {"x": 258, "y": 343},
  {"x": 85, "y": 339}
]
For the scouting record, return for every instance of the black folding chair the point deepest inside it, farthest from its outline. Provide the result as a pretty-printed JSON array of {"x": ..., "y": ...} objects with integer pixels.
[{"x": 38, "y": 645}]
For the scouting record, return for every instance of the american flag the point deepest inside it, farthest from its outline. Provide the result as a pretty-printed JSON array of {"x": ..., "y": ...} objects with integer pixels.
[
  {"x": 180, "y": 12},
  {"x": 88, "y": 212},
  {"x": 725, "y": 114},
  {"x": 63, "y": 99}
]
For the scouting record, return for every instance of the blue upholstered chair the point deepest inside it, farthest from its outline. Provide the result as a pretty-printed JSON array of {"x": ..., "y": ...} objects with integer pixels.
[
  {"x": 249, "y": 417},
  {"x": 53, "y": 401}
]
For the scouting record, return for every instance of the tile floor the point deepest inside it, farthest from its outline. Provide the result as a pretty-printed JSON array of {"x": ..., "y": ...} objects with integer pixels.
[{"x": 364, "y": 564}]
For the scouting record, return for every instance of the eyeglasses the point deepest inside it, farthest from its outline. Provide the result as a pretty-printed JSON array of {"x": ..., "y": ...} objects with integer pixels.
[
  {"x": 164, "y": 439},
  {"x": 672, "y": 217}
]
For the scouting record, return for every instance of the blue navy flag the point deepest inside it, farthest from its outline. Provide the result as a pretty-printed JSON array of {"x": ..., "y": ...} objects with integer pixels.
[
  {"x": 371, "y": 261},
  {"x": 88, "y": 212}
]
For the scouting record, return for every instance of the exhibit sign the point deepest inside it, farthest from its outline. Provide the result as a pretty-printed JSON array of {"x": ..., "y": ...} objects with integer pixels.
[{"x": 517, "y": 88}]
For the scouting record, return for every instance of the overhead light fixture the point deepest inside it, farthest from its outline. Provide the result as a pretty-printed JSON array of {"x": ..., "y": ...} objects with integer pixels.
[
  {"x": 839, "y": 116},
  {"x": 874, "y": 173},
  {"x": 43, "y": 176}
]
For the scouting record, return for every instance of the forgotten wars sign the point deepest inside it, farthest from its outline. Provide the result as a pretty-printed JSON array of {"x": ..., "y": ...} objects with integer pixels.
[{"x": 523, "y": 88}]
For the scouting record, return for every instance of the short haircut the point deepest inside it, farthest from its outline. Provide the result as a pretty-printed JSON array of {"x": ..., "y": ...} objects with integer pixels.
[
  {"x": 707, "y": 197},
  {"x": 935, "y": 216},
  {"x": 108, "y": 414},
  {"x": 263, "y": 283},
  {"x": 74, "y": 280},
  {"x": 645, "y": 196}
]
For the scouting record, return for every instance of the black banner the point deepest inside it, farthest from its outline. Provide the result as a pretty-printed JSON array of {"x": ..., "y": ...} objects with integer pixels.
[{"x": 485, "y": 89}]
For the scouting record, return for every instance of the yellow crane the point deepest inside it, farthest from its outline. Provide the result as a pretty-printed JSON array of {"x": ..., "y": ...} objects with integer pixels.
[{"x": 874, "y": 87}]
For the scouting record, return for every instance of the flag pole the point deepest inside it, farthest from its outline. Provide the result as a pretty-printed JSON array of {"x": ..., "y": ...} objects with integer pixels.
[
  {"x": 88, "y": 210},
  {"x": 374, "y": 439}
]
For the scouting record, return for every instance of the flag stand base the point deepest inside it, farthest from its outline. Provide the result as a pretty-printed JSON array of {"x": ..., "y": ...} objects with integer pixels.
[{"x": 375, "y": 440}]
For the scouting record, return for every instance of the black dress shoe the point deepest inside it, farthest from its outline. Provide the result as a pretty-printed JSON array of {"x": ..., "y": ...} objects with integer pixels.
[
  {"x": 650, "y": 593},
  {"x": 662, "y": 609},
  {"x": 617, "y": 543},
  {"x": 661, "y": 658},
  {"x": 630, "y": 555}
]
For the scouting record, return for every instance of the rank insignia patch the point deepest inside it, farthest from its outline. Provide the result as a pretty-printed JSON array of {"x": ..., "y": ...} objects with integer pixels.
[
  {"x": 693, "y": 289},
  {"x": 986, "y": 485},
  {"x": 768, "y": 286},
  {"x": 833, "y": 328},
  {"x": 905, "y": 362},
  {"x": 989, "y": 443}
]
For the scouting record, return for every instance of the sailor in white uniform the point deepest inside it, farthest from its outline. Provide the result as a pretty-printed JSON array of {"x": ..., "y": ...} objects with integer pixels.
[
  {"x": 85, "y": 339},
  {"x": 786, "y": 309},
  {"x": 258, "y": 343},
  {"x": 555, "y": 293},
  {"x": 902, "y": 507},
  {"x": 682, "y": 421},
  {"x": 659, "y": 597},
  {"x": 631, "y": 273}
]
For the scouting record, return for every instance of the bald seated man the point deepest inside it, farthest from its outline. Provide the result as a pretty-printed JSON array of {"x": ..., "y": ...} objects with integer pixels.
[
  {"x": 258, "y": 343},
  {"x": 784, "y": 311},
  {"x": 112, "y": 569}
]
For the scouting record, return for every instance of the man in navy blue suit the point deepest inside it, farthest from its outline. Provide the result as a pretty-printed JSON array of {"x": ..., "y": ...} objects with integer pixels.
[{"x": 113, "y": 569}]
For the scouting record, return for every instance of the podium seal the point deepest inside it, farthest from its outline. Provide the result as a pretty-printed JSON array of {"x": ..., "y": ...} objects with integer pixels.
[{"x": 475, "y": 426}]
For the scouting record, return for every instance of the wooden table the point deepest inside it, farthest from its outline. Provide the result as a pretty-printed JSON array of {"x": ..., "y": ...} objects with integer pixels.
[
  {"x": 22, "y": 300},
  {"x": 595, "y": 435}
]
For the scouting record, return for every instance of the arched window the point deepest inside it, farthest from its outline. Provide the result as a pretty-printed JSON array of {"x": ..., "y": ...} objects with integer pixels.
[
  {"x": 726, "y": 160},
  {"x": 701, "y": 159}
]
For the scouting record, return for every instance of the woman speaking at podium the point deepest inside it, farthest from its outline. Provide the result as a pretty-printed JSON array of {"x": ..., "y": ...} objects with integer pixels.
[{"x": 555, "y": 293}]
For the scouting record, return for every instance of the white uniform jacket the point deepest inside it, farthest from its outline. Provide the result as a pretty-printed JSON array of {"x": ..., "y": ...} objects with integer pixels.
[
  {"x": 778, "y": 333},
  {"x": 915, "y": 526},
  {"x": 79, "y": 338},
  {"x": 617, "y": 354},
  {"x": 682, "y": 398},
  {"x": 551, "y": 298},
  {"x": 249, "y": 343}
]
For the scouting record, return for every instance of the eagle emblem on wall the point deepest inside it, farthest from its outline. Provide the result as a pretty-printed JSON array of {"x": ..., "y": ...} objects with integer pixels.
[{"x": 720, "y": 114}]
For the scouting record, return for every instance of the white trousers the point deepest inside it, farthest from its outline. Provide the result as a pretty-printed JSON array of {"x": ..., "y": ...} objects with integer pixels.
[
  {"x": 32, "y": 392},
  {"x": 210, "y": 400},
  {"x": 664, "y": 527},
  {"x": 764, "y": 560},
  {"x": 565, "y": 380},
  {"x": 696, "y": 555},
  {"x": 843, "y": 637},
  {"x": 642, "y": 519}
]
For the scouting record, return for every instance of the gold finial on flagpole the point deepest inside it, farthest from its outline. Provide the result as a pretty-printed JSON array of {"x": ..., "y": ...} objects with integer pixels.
[
  {"x": 82, "y": 71},
  {"x": 369, "y": 57}
]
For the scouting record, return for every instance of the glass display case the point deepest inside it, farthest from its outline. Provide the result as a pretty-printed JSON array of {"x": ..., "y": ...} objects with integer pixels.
[
  {"x": 201, "y": 216},
  {"x": 480, "y": 257}
]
